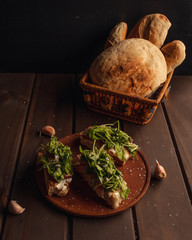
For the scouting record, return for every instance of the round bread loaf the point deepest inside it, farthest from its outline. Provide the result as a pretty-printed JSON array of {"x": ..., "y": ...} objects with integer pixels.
[{"x": 134, "y": 66}]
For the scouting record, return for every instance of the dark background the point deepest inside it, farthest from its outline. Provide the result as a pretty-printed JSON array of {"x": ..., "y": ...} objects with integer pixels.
[{"x": 65, "y": 36}]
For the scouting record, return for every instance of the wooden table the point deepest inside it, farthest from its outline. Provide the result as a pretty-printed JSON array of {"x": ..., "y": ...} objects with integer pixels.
[{"x": 30, "y": 101}]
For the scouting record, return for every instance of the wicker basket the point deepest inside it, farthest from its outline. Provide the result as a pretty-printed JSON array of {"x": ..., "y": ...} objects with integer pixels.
[{"x": 120, "y": 105}]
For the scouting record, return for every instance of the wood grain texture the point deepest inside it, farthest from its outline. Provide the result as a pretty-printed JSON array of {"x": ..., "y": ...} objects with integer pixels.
[
  {"x": 51, "y": 105},
  {"x": 27, "y": 103},
  {"x": 118, "y": 227},
  {"x": 165, "y": 210},
  {"x": 179, "y": 111},
  {"x": 15, "y": 94}
]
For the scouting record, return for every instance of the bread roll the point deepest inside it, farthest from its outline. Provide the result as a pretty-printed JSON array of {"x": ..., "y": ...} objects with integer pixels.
[
  {"x": 174, "y": 53},
  {"x": 117, "y": 34},
  {"x": 153, "y": 27},
  {"x": 133, "y": 66}
]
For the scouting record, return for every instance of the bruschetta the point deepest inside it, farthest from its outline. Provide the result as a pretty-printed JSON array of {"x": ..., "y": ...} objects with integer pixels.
[
  {"x": 117, "y": 143},
  {"x": 98, "y": 169},
  {"x": 56, "y": 161}
]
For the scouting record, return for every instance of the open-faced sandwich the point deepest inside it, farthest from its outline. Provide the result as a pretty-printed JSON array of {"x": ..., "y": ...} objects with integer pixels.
[
  {"x": 117, "y": 143},
  {"x": 98, "y": 169},
  {"x": 56, "y": 161}
]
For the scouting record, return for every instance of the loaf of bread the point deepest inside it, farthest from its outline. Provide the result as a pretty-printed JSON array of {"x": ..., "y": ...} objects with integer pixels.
[
  {"x": 117, "y": 34},
  {"x": 134, "y": 66},
  {"x": 152, "y": 27},
  {"x": 174, "y": 53}
]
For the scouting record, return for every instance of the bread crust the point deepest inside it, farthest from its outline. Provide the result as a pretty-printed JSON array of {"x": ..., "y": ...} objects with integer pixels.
[
  {"x": 174, "y": 53},
  {"x": 152, "y": 27},
  {"x": 134, "y": 66},
  {"x": 117, "y": 34}
]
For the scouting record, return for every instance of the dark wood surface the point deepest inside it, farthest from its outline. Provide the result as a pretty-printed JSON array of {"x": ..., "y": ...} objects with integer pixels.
[{"x": 30, "y": 101}]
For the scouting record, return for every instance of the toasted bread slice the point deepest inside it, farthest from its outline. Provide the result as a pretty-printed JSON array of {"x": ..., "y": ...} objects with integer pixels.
[
  {"x": 113, "y": 198},
  {"x": 56, "y": 161},
  {"x": 54, "y": 188},
  {"x": 87, "y": 142}
]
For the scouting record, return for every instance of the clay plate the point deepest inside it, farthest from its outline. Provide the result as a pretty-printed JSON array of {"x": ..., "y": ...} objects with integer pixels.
[{"x": 82, "y": 201}]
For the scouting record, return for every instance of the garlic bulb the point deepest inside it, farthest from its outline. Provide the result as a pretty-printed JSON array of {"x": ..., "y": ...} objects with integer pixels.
[
  {"x": 15, "y": 208},
  {"x": 160, "y": 172}
]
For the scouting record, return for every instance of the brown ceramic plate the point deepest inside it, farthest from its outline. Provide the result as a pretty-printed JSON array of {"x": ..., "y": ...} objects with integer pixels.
[{"x": 82, "y": 201}]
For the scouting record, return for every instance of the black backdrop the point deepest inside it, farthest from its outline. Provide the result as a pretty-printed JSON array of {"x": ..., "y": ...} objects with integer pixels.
[{"x": 61, "y": 36}]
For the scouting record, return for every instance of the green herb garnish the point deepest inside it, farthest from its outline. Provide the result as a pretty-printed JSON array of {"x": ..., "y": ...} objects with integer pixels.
[
  {"x": 114, "y": 138},
  {"x": 103, "y": 168},
  {"x": 57, "y": 159}
]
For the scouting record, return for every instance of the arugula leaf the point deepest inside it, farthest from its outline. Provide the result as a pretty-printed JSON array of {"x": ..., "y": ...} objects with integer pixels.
[
  {"x": 57, "y": 159},
  {"x": 101, "y": 165},
  {"x": 114, "y": 138}
]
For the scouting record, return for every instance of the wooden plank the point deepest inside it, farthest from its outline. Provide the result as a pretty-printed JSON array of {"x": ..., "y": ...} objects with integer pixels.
[
  {"x": 51, "y": 105},
  {"x": 165, "y": 210},
  {"x": 15, "y": 94},
  {"x": 163, "y": 213},
  {"x": 117, "y": 227},
  {"x": 179, "y": 112}
]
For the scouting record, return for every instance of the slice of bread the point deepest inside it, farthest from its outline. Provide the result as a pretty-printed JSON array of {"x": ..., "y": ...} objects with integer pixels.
[
  {"x": 113, "y": 198},
  {"x": 54, "y": 188},
  {"x": 87, "y": 142}
]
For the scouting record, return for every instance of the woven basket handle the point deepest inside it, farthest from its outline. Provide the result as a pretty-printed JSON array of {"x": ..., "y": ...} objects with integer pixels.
[{"x": 165, "y": 96}]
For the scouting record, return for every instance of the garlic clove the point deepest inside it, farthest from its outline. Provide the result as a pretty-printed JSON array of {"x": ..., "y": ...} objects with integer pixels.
[
  {"x": 15, "y": 208},
  {"x": 48, "y": 131},
  {"x": 160, "y": 172}
]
